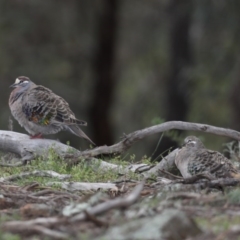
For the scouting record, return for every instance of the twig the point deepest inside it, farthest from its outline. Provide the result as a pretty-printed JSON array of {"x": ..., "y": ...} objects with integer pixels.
[
  {"x": 49, "y": 221},
  {"x": 17, "y": 164},
  {"x": 208, "y": 183},
  {"x": 83, "y": 186},
  {"x": 170, "y": 174},
  {"x": 125, "y": 181},
  {"x": 115, "y": 203},
  {"x": 36, "y": 173},
  {"x": 31, "y": 186},
  {"x": 195, "y": 178},
  {"x": 49, "y": 232},
  {"x": 25, "y": 196},
  {"x": 184, "y": 195},
  {"x": 142, "y": 169},
  {"x": 158, "y": 143},
  {"x": 223, "y": 182},
  {"x": 10, "y": 124},
  {"x": 49, "y": 191},
  {"x": 19, "y": 226},
  {"x": 92, "y": 218}
]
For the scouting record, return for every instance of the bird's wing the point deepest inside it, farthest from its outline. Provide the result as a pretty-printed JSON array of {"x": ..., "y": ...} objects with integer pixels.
[
  {"x": 43, "y": 107},
  {"x": 217, "y": 163}
]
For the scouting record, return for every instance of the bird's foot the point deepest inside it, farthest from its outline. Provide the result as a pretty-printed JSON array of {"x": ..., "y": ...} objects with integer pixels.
[{"x": 36, "y": 136}]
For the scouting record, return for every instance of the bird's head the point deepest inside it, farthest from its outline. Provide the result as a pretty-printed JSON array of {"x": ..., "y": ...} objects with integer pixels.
[
  {"x": 23, "y": 82},
  {"x": 193, "y": 142}
]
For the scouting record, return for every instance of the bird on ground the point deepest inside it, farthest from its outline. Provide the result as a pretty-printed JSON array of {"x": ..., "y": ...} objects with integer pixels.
[
  {"x": 40, "y": 111},
  {"x": 193, "y": 158}
]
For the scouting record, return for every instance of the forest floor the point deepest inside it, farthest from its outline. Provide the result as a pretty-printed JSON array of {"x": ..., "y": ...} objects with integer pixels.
[{"x": 36, "y": 202}]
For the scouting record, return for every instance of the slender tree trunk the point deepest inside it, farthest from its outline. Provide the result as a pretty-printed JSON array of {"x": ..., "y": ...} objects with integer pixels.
[
  {"x": 180, "y": 60},
  {"x": 178, "y": 84},
  {"x": 234, "y": 101},
  {"x": 104, "y": 73}
]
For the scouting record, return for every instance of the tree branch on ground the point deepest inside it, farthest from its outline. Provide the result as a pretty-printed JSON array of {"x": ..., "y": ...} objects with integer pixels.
[
  {"x": 29, "y": 149},
  {"x": 199, "y": 181},
  {"x": 83, "y": 186},
  {"x": 22, "y": 145},
  {"x": 47, "y": 173}
]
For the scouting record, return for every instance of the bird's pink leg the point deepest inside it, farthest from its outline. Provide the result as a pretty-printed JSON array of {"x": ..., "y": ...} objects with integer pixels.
[{"x": 38, "y": 135}]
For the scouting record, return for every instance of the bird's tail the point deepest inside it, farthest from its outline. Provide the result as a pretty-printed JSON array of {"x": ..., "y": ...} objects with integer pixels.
[{"x": 77, "y": 131}]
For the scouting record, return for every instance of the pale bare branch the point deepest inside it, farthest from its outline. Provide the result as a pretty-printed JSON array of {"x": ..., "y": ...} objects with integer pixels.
[
  {"x": 47, "y": 173},
  {"x": 22, "y": 145},
  {"x": 83, "y": 186}
]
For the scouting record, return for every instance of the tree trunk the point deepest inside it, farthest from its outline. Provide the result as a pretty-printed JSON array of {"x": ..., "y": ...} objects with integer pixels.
[
  {"x": 178, "y": 84},
  {"x": 104, "y": 74},
  {"x": 234, "y": 101},
  {"x": 180, "y": 60}
]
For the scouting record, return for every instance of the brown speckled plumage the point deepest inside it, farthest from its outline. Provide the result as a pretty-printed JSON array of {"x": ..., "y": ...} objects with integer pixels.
[
  {"x": 40, "y": 111},
  {"x": 194, "y": 158}
]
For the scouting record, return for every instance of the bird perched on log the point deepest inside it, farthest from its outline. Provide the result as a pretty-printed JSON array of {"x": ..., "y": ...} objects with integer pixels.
[
  {"x": 194, "y": 158},
  {"x": 40, "y": 111}
]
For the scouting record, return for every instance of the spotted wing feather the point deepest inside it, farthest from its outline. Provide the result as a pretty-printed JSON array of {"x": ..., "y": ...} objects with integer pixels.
[
  {"x": 212, "y": 162},
  {"x": 44, "y": 107}
]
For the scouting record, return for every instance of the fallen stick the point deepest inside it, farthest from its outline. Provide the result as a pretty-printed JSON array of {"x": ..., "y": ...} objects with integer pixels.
[
  {"x": 22, "y": 145},
  {"x": 46, "y": 173},
  {"x": 83, "y": 186}
]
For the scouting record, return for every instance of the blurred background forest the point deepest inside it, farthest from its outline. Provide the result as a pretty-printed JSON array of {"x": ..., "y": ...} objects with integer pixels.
[{"x": 124, "y": 65}]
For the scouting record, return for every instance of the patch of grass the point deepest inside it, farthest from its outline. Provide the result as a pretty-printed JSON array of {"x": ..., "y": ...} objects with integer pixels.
[
  {"x": 234, "y": 196},
  {"x": 146, "y": 160},
  {"x": 6, "y": 217},
  {"x": 81, "y": 172},
  {"x": 217, "y": 224},
  {"x": 9, "y": 236}
]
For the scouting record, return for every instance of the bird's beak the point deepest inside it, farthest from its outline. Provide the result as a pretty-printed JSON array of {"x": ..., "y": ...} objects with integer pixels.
[{"x": 13, "y": 85}]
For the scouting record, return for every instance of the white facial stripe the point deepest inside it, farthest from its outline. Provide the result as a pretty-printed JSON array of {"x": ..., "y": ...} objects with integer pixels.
[
  {"x": 25, "y": 81},
  {"x": 17, "y": 81},
  {"x": 190, "y": 141}
]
